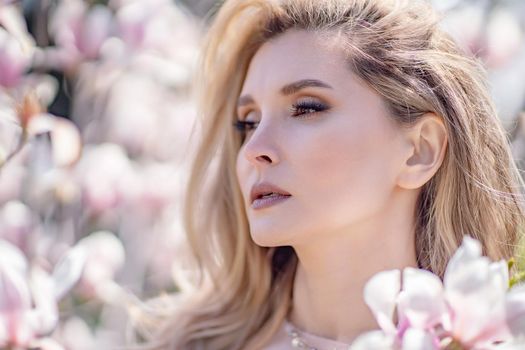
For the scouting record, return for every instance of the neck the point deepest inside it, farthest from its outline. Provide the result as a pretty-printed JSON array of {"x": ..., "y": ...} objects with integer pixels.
[{"x": 332, "y": 272}]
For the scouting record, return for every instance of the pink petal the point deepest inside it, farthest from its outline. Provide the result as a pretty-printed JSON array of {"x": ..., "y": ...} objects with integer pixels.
[
  {"x": 13, "y": 60},
  {"x": 478, "y": 304},
  {"x": 131, "y": 22},
  {"x": 68, "y": 271},
  {"x": 105, "y": 256},
  {"x": 16, "y": 223},
  {"x": 381, "y": 293},
  {"x": 15, "y": 303},
  {"x": 96, "y": 29},
  {"x": 374, "y": 340},
  {"x": 48, "y": 344},
  {"x": 45, "y": 314},
  {"x": 422, "y": 299},
  {"x": 10, "y": 131},
  {"x": 515, "y": 307},
  {"x": 417, "y": 339},
  {"x": 475, "y": 290},
  {"x": 65, "y": 137},
  {"x": 11, "y": 256},
  {"x": 14, "y": 291},
  {"x": 469, "y": 251}
]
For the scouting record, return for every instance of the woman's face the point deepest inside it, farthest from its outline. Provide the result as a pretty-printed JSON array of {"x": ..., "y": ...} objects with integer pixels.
[{"x": 322, "y": 136}]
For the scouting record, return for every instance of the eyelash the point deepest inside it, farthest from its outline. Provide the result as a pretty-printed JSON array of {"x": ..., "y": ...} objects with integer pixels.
[{"x": 244, "y": 125}]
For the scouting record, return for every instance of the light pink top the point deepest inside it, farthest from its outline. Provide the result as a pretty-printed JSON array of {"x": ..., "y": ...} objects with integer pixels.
[{"x": 283, "y": 341}]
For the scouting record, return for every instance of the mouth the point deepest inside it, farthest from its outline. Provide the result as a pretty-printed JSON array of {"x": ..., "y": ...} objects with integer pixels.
[
  {"x": 272, "y": 195},
  {"x": 269, "y": 200},
  {"x": 265, "y": 192}
]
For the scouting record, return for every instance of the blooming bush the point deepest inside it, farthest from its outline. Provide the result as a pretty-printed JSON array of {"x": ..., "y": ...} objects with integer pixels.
[
  {"x": 473, "y": 308},
  {"x": 89, "y": 200},
  {"x": 29, "y": 296}
]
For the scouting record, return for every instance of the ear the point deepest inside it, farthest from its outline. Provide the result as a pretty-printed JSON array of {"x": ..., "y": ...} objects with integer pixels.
[{"x": 427, "y": 143}]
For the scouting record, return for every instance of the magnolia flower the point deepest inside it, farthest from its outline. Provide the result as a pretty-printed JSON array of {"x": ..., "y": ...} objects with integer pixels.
[
  {"x": 471, "y": 309},
  {"x": 66, "y": 144},
  {"x": 29, "y": 295},
  {"x": 16, "y": 223},
  {"x": 105, "y": 255},
  {"x": 131, "y": 23},
  {"x": 13, "y": 60},
  {"x": 80, "y": 31},
  {"x": 16, "y": 48},
  {"x": 106, "y": 175},
  {"x": 10, "y": 131}
]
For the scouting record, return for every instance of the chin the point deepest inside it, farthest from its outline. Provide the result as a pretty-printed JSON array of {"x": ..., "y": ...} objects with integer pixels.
[{"x": 268, "y": 239}]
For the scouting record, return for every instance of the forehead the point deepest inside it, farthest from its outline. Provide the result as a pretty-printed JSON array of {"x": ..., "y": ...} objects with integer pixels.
[{"x": 297, "y": 54}]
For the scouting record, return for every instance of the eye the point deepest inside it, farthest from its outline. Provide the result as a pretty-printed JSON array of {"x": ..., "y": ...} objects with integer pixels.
[
  {"x": 245, "y": 125},
  {"x": 304, "y": 108}
]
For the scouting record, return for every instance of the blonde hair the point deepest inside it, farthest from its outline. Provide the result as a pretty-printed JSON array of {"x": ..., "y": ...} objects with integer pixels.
[{"x": 243, "y": 292}]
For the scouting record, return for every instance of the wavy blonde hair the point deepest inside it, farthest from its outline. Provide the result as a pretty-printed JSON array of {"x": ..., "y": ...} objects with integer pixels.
[{"x": 243, "y": 291}]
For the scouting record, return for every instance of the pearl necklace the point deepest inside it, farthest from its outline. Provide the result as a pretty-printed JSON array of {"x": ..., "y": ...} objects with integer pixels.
[{"x": 299, "y": 343}]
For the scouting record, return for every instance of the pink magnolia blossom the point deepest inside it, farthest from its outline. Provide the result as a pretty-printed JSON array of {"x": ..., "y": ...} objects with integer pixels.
[
  {"x": 14, "y": 61},
  {"x": 16, "y": 223},
  {"x": 15, "y": 304},
  {"x": 10, "y": 129},
  {"x": 66, "y": 144},
  {"x": 20, "y": 322},
  {"x": 28, "y": 298},
  {"x": 106, "y": 176},
  {"x": 131, "y": 23},
  {"x": 80, "y": 31},
  {"x": 472, "y": 308},
  {"x": 17, "y": 46},
  {"x": 105, "y": 256},
  {"x": 137, "y": 22}
]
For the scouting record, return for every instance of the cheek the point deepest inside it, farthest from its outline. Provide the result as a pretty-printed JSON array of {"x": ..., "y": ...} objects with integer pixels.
[{"x": 351, "y": 174}]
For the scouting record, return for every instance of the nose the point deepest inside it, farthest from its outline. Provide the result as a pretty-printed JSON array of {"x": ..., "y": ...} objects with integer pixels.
[{"x": 260, "y": 149}]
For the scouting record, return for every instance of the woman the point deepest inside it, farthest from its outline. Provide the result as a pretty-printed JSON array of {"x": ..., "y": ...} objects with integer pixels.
[{"x": 363, "y": 140}]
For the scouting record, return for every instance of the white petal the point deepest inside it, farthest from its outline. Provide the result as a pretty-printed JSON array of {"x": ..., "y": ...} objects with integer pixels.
[
  {"x": 500, "y": 274},
  {"x": 3, "y": 330},
  {"x": 515, "y": 344},
  {"x": 515, "y": 307},
  {"x": 95, "y": 30},
  {"x": 68, "y": 271},
  {"x": 10, "y": 131},
  {"x": 469, "y": 250},
  {"x": 422, "y": 299},
  {"x": 475, "y": 289},
  {"x": 47, "y": 344},
  {"x": 381, "y": 293},
  {"x": 45, "y": 314},
  {"x": 12, "y": 256},
  {"x": 417, "y": 339},
  {"x": 66, "y": 140},
  {"x": 67, "y": 144},
  {"x": 15, "y": 296},
  {"x": 104, "y": 250},
  {"x": 374, "y": 340}
]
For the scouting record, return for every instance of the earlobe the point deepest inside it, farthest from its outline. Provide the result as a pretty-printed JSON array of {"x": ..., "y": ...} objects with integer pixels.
[{"x": 428, "y": 140}]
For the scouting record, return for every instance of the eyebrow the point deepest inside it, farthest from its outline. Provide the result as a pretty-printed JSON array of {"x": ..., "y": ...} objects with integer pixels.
[{"x": 288, "y": 89}]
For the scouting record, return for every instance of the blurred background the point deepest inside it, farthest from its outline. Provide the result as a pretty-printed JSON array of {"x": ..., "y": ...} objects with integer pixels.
[{"x": 96, "y": 115}]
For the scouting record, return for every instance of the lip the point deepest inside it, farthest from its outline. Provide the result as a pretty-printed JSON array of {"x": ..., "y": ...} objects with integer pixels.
[{"x": 264, "y": 188}]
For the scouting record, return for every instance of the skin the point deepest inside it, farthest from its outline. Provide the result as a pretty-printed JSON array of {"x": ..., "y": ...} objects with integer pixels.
[{"x": 353, "y": 174}]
